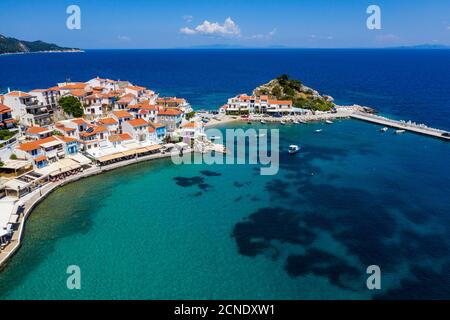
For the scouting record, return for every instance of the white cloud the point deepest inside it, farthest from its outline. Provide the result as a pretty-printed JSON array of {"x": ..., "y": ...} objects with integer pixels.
[
  {"x": 187, "y": 31},
  {"x": 387, "y": 38},
  {"x": 123, "y": 38},
  {"x": 228, "y": 28},
  {"x": 266, "y": 36},
  {"x": 188, "y": 18},
  {"x": 314, "y": 37}
]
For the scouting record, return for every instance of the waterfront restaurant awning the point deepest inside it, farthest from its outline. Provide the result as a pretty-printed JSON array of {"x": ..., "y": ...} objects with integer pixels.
[
  {"x": 16, "y": 185},
  {"x": 15, "y": 164},
  {"x": 111, "y": 157},
  {"x": 13, "y": 218},
  {"x": 129, "y": 153},
  {"x": 82, "y": 160},
  {"x": 153, "y": 148},
  {"x": 279, "y": 110}
]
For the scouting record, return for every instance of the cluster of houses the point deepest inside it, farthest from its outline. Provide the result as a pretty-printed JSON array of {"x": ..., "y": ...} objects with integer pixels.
[
  {"x": 245, "y": 104},
  {"x": 118, "y": 116}
]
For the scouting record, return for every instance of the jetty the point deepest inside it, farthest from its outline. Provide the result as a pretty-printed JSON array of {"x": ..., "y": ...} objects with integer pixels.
[{"x": 402, "y": 125}]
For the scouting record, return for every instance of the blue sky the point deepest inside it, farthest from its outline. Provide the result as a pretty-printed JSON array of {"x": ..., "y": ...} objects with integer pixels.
[{"x": 249, "y": 23}]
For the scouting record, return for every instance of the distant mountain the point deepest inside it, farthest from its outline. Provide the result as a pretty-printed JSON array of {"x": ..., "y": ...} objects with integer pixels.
[
  {"x": 13, "y": 45},
  {"x": 423, "y": 46}
]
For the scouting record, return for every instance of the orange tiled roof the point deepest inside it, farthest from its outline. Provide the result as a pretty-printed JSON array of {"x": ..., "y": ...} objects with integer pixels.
[
  {"x": 157, "y": 125},
  {"x": 122, "y": 114},
  {"x": 67, "y": 139},
  {"x": 78, "y": 92},
  {"x": 33, "y": 145},
  {"x": 97, "y": 129},
  {"x": 138, "y": 122},
  {"x": 18, "y": 94},
  {"x": 78, "y": 121},
  {"x": 170, "y": 112},
  {"x": 136, "y": 88},
  {"x": 107, "y": 121},
  {"x": 36, "y": 130},
  {"x": 4, "y": 109},
  {"x": 120, "y": 137},
  {"x": 77, "y": 85},
  {"x": 40, "y": 158},
  {"x": 280, "y": 102}
]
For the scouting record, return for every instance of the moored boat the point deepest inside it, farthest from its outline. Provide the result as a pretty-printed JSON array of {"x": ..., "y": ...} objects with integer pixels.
[
  {"x": 318, "y": 130},
  {"x": 384, "y": 129},
  {"x": 293, "y": 148},
  {"x": 400, "y": 131}
]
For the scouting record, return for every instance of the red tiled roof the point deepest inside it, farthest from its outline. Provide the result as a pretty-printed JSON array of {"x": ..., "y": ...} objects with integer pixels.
[
  {"x": 18, "y": 94},
  {"x": 33, "y": 145},
  {"x": 280, "y": 102},
  {"x": 122, "y": 114},
  {"x": 108, "y": 121},
  {"x": 170, "y": 112},
  {"x": 40, "y": 158},
  {"x": 136, "y": 88},
  {"x": 4, "y": 109},
  {"x": 120, "y": 137},
  {"x": 96, "y": 129},
  {"x": 77, "y": 85},
  {"x": 138, "y": 122},
  {"x": 36, "y": 130}
]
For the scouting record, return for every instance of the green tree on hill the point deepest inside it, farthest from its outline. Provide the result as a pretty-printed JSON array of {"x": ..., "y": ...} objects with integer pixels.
[{"x": 71, "y": 106}]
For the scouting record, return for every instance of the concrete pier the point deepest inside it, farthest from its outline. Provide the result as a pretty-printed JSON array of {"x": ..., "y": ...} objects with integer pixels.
[{"x": 436, "y": 133}]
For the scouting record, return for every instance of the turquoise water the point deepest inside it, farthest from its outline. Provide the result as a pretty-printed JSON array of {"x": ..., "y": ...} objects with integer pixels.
[{"x": 352, "y": 197}]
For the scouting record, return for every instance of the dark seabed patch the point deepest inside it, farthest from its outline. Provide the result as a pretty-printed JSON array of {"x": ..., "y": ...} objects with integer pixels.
[
  {"x": 209, "y": 173},
  {"x": 255, "y": 235},
  {"x": 423, "y": 283},
  {"x": 193, "y": 181},
  {"x": 321, "y": 263},
  {"x": 278, "y": 189}
]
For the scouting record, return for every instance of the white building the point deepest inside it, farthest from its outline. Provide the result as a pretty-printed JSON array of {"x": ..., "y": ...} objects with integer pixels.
[
  {"x": 137, "y": 129},
  {"x": 26, "y": 109}
]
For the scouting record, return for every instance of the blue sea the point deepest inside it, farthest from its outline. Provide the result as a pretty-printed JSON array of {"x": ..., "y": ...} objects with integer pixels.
[{"x": 353, "y": 197}]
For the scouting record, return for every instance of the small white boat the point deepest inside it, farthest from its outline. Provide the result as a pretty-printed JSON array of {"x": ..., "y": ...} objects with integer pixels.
[
  {"x": 384, "y": 129},
  {"x": 329, "y": 121},
  {"x": 293, "y": 148},
  {"x": 263, "y": 122},
  {"x": 318, "y": 130},
  {"x": 303, "y": 121},
  {"x": 212, "y": 138},
  {"x": 282, "y": 122},
  {"x": 399, "y": 131},
  {"x": 296, "y": 122}
]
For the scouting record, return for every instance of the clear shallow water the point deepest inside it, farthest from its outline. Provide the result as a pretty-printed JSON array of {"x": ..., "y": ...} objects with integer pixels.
[{"x": 352, "y": 197}]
